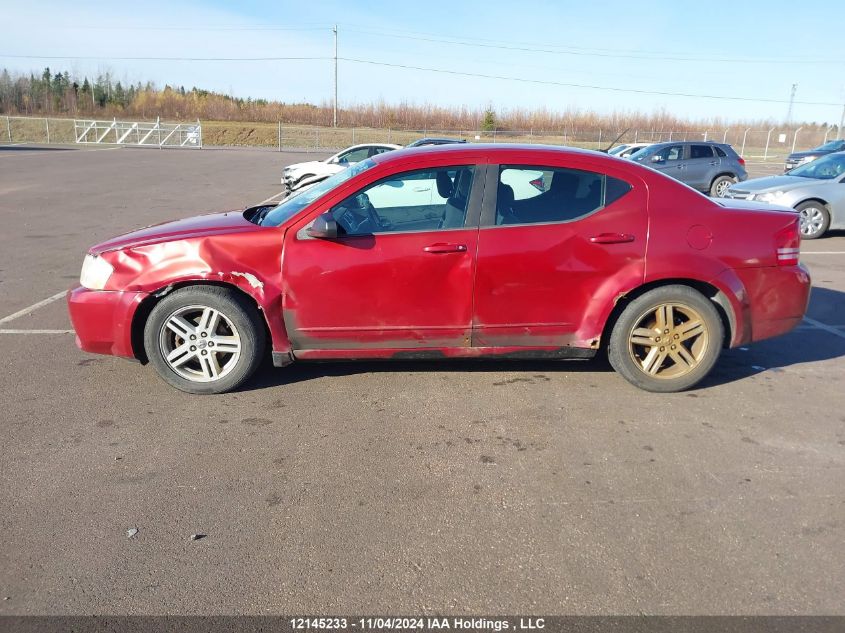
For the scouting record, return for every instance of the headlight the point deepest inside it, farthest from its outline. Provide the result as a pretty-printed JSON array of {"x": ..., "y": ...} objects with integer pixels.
[
  {"x": 95, "y": 272},
  {"x": 769, "y": 197},
  {"x": 807, "y": 159}
]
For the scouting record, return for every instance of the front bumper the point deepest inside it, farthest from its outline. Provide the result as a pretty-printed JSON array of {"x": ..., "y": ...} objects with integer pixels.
[{"x": 102, "y": 320}]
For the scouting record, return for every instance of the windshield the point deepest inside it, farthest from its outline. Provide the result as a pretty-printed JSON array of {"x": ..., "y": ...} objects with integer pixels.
[
  {"x": 297, "y": 202},
  {"x": 824, "y": 168},
  {"x": 830, "y": 145},
  {"x": 641, "y": 153},
  {"x": 618, "y": 149}
]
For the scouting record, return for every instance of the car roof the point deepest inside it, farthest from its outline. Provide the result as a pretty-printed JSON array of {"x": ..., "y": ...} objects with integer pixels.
[
  {"x": 490, "y": 150},
  {"x": 371, "y": 145}
]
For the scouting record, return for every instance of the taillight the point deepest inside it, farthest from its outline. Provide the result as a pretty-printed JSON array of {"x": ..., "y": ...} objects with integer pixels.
[
  {"x": 742, "y": 161},
  {"x": 788, "y": 244}
]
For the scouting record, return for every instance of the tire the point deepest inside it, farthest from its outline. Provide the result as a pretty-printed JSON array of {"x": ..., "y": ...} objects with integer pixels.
[
  {"x": 635, "y": 349},
  {"x": 230, "y": 344},
  {"x": 719, "y": 185},
  {"x": 814, "y": 218}
]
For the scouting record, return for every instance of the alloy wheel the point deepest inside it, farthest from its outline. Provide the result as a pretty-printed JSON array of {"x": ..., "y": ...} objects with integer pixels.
[
  {"x": 199, "y": 343},
  {"x": 668, "y": 341},
  {"x": 722, "y": 187}
]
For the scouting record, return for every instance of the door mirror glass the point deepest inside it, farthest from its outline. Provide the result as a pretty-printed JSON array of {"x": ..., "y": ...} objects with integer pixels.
[{"x": 324, "y": 227}]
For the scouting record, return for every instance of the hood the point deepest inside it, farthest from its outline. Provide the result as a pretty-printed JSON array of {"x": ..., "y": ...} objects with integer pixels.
[
  {"x": 311, "y": 164},
  {"x": 818, "y": 152},
  {"x": 773, "y": 183},
  {"x": 197, "y": 226}
]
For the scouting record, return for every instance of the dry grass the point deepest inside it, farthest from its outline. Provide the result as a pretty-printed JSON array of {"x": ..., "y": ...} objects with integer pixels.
[{"x": 266, "y": 134}]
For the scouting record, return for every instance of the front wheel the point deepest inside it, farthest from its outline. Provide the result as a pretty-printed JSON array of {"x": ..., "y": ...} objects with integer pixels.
[
  {"x": 204, "y": 339},
  {"x": 813, "y": 218},
  {"x": 667, "y": 340},
  {"x": 719, "y": 186}
]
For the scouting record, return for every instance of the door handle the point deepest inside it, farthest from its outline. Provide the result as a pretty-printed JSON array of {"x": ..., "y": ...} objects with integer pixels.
[
  {"x": 420, "y": 189},
  {"x": 714, "y": 162},
  {"x": 680, "y": 166},
  {"x": 446, "y": 248},
  {"x": 612, "y": 238}
]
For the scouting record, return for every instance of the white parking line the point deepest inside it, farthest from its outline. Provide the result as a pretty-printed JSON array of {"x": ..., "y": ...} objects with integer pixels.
[
  {"x": 823, "y": 326},
  {"x": 36, "y": 331},
  {"x": 33, "y": 307},
  {"x": 822, "y": 252},
  {"x": 272, "y": 198}
]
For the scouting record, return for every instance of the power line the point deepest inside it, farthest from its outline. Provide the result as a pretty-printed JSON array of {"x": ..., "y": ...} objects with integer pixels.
[
  {"x": 169, "y": 59},
  {"x": 584, "y": 52},
  {"x": 433, "y": 70},
  {"x": 133, "y": 27},
  {"x": 574, "y": 85}
]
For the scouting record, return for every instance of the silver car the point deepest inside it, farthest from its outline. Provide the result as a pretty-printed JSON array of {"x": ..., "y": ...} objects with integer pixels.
[{"x": 816, "y": 190}]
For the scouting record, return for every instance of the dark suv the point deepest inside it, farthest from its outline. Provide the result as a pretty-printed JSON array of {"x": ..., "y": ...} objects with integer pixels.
[
  {"x": 706, "y": 166},
  {"x": 799, "y": 158}
]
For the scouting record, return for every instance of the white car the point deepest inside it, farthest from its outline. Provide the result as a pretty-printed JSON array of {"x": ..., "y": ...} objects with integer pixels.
[
  {"x": 625, "y": 150},
  {"x": 301, "y": 175}
]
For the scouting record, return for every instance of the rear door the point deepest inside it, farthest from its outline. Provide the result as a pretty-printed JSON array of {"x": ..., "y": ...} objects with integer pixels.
[
  {"x": 549, "y": 263},
  {"x": 701, "y": 167}
]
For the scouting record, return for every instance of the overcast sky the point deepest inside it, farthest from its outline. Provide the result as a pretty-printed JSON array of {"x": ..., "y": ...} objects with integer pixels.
[{"x": 753, "y": 50}]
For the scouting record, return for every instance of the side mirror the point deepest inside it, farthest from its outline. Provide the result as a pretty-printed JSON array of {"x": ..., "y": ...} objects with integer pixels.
[
  {"x": 324, "y": 227},
  {"x": 657, "y": 158}
]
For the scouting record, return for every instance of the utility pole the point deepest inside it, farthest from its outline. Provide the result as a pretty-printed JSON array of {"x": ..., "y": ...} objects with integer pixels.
[
  {"x": 842, "y": 121},
  {"x": 334, "y": 117},
  {"x": 791, "y": 102}
]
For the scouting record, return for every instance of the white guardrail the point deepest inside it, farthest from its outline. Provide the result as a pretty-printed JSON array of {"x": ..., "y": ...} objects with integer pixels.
[{"x": 142, "y": 133}]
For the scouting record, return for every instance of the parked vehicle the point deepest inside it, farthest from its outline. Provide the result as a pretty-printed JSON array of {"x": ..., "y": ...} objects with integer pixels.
[
  {"x": 625, "y": 150},
  {"x": 300, "y": 175},
  {"x": 709, "y": 167},
  {"x": 799, "y": 158},
  {"x": 607, "y": 257},
  {"x": 816, "y": 190},
  {"x": 431, "y": 140}
]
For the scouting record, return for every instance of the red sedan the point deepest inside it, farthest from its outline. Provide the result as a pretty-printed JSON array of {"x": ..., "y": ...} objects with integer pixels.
[{"x": 452, "y": 252}]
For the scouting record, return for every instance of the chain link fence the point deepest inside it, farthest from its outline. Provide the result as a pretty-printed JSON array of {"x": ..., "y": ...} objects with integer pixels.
[{"x": 755, "y": 144}]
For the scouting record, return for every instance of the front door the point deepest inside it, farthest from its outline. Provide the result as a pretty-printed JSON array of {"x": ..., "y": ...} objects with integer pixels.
[
  {"x": 551, "y": 258},
  {"x": 399, "y": 274},
  {"x": 671, "y": 161}
]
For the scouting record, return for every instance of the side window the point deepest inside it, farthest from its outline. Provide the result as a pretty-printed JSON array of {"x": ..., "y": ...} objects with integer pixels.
[
  {"x": 566, "y": 194},
  {"x": 720, "y": 152},
  {"x": 421, "y": 200},
  {"x": 673, "y": 152},
  {"x": 701, "y": 151},
  {"x": 355, "y": 156},
  {"x": 375, "y": 151}
]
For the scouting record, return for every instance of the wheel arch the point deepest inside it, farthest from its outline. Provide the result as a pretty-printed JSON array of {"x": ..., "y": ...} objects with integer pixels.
[
  {"x": 812, "y": 199},
  {"x": 716, "y": 295},
  {"x": 142, "y": 313},
  {"x": 729, "y": 174}
]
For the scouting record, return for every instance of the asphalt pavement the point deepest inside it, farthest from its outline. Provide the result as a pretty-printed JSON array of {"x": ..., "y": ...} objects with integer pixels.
[{"x": 404, "y": 488}]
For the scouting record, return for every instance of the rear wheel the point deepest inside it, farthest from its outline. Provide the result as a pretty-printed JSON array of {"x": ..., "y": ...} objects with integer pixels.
[
  {"x": 666, "y": 340},
  {"x": 204, "y": 339},
  {"x": 814, "y": 219},
  {"x": 720, "y": 185}
]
